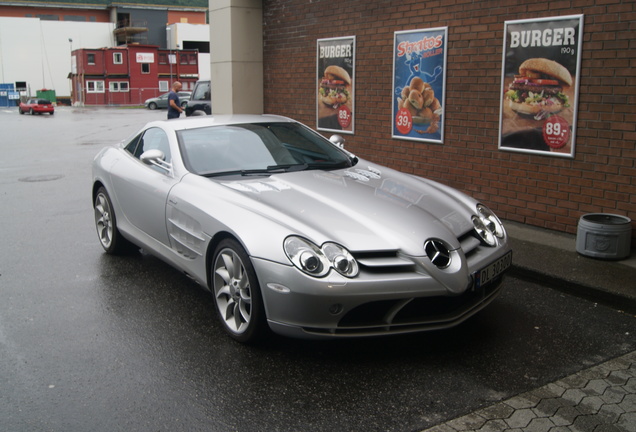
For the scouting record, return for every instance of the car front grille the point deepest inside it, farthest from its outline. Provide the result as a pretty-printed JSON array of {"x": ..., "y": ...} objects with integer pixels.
[
  {"x": 415, "y": 313},
  {"x": 384, "y": 262},
  {"x": 391, "y": 261},
  {"x": 412, "y": 314}
]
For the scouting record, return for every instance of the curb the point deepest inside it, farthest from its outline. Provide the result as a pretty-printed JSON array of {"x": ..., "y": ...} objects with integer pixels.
[{"x": 611, "y": 299}]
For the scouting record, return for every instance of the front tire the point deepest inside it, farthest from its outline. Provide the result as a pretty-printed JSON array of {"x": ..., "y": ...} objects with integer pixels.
[
  {"x": 236, "y": 292},
  {"x": 20, "y": 111},
  {"x": 106, "y": 224}
]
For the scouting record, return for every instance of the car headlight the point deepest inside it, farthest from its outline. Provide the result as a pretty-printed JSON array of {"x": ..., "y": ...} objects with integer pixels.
[
  {"x": 488, "y": 225},
  {"x": 317, "y": 261}
]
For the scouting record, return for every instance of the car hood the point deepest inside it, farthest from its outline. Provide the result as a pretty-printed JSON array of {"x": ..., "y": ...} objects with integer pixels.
[{"x": 365, "y": 208}]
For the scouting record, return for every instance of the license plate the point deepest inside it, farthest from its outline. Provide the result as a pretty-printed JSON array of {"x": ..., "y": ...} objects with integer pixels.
[{"x": 488, "y": 274}]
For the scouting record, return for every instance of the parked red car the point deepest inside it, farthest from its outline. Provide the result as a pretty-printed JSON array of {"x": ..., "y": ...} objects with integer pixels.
[{"x": 39, "y": 106}]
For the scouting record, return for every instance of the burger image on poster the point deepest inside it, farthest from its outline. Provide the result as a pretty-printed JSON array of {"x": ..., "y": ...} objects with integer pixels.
[
  {"x": 539, "y": 88},
  {"x": 538, "y": 107},
  {"x": 418, "y": 98},
  {"x": 335, "y": 87}
]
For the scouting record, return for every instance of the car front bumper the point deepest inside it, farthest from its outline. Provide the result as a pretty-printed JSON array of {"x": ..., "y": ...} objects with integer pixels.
[{"x": 368, "y": 305}]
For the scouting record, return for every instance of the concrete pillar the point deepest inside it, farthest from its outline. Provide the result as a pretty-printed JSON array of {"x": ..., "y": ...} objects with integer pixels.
[{"x": 236, "y": 56}]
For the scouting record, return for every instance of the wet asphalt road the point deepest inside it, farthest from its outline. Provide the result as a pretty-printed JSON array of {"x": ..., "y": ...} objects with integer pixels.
[{"x": 101, "y": 343}]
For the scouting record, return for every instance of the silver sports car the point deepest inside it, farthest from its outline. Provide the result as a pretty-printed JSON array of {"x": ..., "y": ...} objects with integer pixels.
[{"x": 291, "y": 232}]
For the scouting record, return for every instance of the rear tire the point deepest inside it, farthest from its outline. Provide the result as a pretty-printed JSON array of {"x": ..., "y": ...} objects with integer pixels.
[{"x": 152, "y": 106}]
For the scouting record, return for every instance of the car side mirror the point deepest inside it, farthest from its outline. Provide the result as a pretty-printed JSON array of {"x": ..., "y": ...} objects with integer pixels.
[
  {"x": 156, "y": 157},
  {"x": 337, "y": 140}
]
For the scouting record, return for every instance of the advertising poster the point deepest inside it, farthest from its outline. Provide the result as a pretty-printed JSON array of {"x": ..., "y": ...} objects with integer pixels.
[
  {"x": 419, "y": 84},
  {"x": 540, "y": 81},
  {"x": 335, "y": 90}
]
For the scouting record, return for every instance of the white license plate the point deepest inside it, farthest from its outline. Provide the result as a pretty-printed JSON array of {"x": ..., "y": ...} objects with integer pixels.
[{"x": 486, "y": 275}]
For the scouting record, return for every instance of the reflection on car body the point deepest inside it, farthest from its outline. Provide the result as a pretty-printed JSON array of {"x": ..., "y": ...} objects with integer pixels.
[{"x": 293, "y": 233}]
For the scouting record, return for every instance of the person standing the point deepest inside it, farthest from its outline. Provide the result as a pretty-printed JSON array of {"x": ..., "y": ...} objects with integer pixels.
[{"x": 174, "y": 104}]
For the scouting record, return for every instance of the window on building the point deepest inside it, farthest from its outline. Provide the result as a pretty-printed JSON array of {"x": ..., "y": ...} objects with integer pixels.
[
  {"x": 145, "y": 68},
  {"x": 74, "y": 18},
  {"x": 202, "y": 47},
  {"x": 183, "y": 59},
  {"x": 123, "y": 20},
  {"x": 118, "y": 86},
  {"x": 163, "y": 58},
  {"x": 48, "y": 17},
  {"x": 94, "y": 86},
  {"x": 118, "y": 58},
  {"x": 192, "y": 59},
  {"x": 164, "y": 86},
  {"x": 90, "y": 58}
]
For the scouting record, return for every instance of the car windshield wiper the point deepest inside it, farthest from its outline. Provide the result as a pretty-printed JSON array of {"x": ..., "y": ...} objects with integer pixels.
[
  {"x": 288, "y": 167},
  {"x": 329, "y": 165},
  {"x": 272, "y": 169}
]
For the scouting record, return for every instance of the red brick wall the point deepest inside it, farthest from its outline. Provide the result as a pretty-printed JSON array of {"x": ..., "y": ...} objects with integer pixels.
[{"x": 538, "y": 190}]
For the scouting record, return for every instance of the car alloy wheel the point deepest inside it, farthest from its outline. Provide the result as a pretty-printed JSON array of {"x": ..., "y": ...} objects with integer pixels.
[
  {"x": 103, "y": 220},
  {"x": 236, "y": 292},
  {"x": 106, "y": 224},
  {"x": 152, "y": 106}
]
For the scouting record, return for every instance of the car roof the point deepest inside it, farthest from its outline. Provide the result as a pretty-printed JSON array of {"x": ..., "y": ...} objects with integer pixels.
[{"x": 217, "y": 120}]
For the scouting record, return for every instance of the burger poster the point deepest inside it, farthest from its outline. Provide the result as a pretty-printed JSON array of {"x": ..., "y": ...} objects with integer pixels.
[
  {"x": 419, "y": 80},
  {"x": 540, "y": 81},
  {"x": 335, "y": 94}
]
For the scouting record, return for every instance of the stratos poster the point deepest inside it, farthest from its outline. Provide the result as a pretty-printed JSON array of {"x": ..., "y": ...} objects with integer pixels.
[
  {"x": 540, "y": 82},
  {"x": 335, "y": 91},
  {"x": 419, "y": 84}
]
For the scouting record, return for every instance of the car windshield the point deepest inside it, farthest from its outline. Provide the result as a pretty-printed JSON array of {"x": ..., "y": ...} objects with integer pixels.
[{"x": 262, "y": 148}]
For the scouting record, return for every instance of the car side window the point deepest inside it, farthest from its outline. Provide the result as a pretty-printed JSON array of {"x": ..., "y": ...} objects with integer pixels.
[
  {"x": 153, "y": 138},
  {"x": 132, "y": 145},
  {"x": 202, "y": 92}
]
